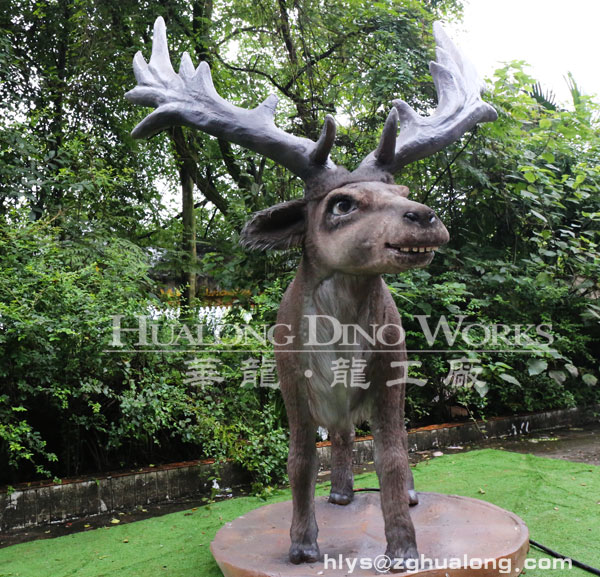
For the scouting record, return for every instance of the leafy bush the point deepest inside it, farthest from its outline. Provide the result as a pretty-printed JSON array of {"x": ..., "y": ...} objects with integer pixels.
[
  {"x": 523, "y": 211},
  {"x": 520, "y": 200},
  {"x": 72, "y": 402}
]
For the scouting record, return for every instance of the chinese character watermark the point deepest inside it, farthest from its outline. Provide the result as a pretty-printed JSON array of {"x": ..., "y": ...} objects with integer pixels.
[
  {"x": 347, "y": 374},
  {"x": 464, "y": 373},
  {"x": 259, "y": 373},
  {"x": 203, "y": 372}
]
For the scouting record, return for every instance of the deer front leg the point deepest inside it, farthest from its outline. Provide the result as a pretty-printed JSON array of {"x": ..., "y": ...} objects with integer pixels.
[
  {"x": 342, "y": 477},
  {"x": 391, "y": 465},
  {"x": 303, "y": 465}
]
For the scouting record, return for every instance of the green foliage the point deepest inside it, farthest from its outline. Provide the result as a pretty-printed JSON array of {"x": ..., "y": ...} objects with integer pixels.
[
  {"x": 521, "y": 204},
  {"x": 64, "y": 142},
  {"x": 71, "y": 402},
  {"x": 84, "y": 235}
]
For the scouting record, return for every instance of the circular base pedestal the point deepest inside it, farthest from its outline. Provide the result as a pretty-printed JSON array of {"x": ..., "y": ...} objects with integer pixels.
[{"x": 456, "y": 537}]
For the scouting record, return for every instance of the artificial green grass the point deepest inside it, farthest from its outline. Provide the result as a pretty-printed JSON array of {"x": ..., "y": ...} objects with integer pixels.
[{"x": 558, "y": 500}]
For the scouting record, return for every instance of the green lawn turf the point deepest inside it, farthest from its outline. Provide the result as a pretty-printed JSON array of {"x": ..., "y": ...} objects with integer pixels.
[{"x": 559, "y": 501}]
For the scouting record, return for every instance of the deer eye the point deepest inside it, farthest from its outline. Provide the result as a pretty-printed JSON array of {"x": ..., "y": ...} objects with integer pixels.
[{"x": 343, "y": 206}]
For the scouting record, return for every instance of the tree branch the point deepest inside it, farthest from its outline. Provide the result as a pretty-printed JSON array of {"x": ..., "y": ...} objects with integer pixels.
[
  {"x": 190, "y": 158},
  {"x": 285, "y": 32},
  {"x": 252, "y": 70},
  {"x": 242, "y": 30},
  {"x": 241, "y": 178},
  {"x": 314, "y": 60}
]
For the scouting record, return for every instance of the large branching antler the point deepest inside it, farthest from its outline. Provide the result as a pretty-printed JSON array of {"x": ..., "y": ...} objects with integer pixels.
[
  {"x": 190, "y": 99},
  {"x": 459, "y": 109}
]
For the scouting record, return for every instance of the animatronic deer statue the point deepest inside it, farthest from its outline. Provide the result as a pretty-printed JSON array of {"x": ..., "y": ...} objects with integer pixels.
[{"x": 353, "y": 227}]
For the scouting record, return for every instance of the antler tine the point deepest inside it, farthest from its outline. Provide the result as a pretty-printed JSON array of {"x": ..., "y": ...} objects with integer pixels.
[
  {"x": 459, "y": 109},
  {"x": 190, "y": 99},
  {"x": 325, "y": 143},
  {"x": 386, "y": 150},
  {"x": 156, "y": 74}
]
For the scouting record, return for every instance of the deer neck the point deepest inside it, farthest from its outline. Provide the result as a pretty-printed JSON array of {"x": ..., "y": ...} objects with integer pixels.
[
  {"x": 350, "y": 301},
  {"x": 345, "y": 297}
]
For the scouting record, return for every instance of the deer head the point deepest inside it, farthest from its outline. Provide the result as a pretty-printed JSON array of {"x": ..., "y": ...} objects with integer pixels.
[{"x": 357, "y": 221}]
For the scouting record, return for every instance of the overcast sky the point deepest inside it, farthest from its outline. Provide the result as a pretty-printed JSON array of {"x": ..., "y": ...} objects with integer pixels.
[{"x": 553, "y": 36}]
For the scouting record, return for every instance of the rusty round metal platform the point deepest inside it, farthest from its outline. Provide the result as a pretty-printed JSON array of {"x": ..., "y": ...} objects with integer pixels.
[{"x": 456, "y": 536}]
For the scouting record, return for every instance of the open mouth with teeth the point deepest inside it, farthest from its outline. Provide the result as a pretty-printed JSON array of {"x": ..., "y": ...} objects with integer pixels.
[{"x": 411, "y": 249}]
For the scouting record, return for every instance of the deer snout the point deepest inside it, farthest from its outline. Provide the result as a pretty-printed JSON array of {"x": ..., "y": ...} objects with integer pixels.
[
  {"x": 424, "y": 217},
  {"x": 422, "y": 225}
]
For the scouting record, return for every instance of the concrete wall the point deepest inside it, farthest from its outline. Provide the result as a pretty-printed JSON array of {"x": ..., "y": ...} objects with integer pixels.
[
  {"x": 41, "y": 504},
  {"x": 38, "y": 504},
  {"x": 452, "y": 434}
]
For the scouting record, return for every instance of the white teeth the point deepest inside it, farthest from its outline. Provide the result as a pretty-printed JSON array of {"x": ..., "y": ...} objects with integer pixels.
[{"x": 417, "y": 248}]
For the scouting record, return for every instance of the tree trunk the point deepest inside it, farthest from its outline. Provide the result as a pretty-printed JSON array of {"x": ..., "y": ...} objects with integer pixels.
[{"x": 189, "y": 234}]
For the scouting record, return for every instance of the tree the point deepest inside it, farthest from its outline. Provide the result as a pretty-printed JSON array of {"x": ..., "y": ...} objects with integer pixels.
[
  {"x": 68, "y": 161},
  {"x": 521, "y": 204},
  {"x": 351, "y": 59},
  {"x": 65, "y": 124}
]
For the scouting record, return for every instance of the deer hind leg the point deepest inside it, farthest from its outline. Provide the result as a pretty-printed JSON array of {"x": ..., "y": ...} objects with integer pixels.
[
  {"x": 413, "y": 497},
  {"x": 342, "y": 477},
  {"x": 391, "y": 464},
  {"x": 303, "y": 465}
]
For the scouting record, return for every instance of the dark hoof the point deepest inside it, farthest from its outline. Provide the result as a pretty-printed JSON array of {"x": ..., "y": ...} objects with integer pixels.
[
  {"x": 413, "y": 498},
  {"x": 300, "y": 553},
  {"x": 405, "y": 559},
  {"x": 340, "y": 498}
]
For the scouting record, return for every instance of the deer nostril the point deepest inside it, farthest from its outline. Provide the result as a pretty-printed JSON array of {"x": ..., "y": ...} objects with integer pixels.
[
  {"x": 412, "y": 216},
  {"x": 422, "y": 217}
]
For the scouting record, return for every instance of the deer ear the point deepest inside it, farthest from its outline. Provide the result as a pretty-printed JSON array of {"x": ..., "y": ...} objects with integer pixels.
[{"x": 280, "y": 227}]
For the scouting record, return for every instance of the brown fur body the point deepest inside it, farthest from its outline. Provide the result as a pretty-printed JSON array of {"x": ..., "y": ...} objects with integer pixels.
[{"x": 335, "y": 282}]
